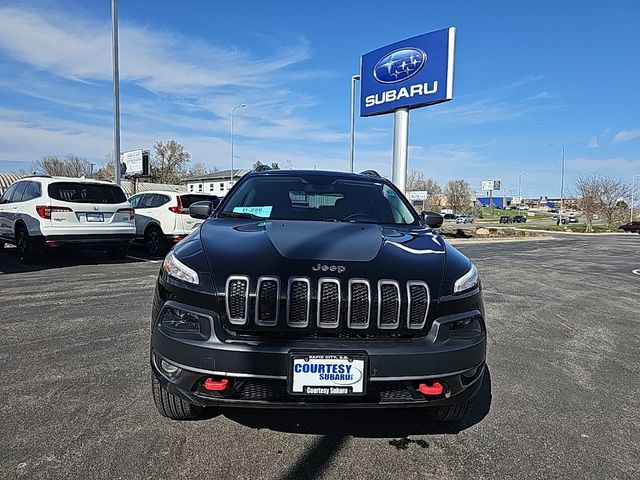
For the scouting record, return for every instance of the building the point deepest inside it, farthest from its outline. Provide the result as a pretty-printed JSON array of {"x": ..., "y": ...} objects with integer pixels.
[
  {"x": 217, "y": 183},
  {"x": 6, "y": 179}
]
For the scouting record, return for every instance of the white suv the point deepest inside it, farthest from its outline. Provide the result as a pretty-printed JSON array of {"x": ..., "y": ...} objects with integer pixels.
[
  {"x": 41, "y": 212},
  {"x": 162, "y": 218}
]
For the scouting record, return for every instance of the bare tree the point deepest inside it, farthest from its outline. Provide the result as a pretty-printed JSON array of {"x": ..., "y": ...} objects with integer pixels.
[
  {"x": 107, "y": 172},
  {"x": 458, "y": 194},
  {"x": 588, "y": 193},
  {"x": 417, "y": 181},
  {"x": 169, "y": 162},
  {"x": 612, "y": 192},
  {"x": 70, "y": 166},
  {"x": 258, "y": 163},
  {"x": 199, "y": 169}
]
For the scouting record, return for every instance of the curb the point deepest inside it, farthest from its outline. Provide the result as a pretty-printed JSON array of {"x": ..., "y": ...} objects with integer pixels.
[
  {"x": 592, "y": 234},
  {"x": 470, "y": 241}
]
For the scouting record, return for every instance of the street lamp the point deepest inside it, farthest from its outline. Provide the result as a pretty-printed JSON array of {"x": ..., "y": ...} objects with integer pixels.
[
  {"x": 633, "y": 189},
  {"x": 352, "y": 138},
  {"x": 233, "y": 111},
  {"x": 558, "y": 144},
  {"x": 116, "y": 89},
  {"x": 520, "y": 185}
]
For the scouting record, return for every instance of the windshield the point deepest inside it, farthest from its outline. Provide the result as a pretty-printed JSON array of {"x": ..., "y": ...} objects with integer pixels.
[{"x": 319, "y": 197}]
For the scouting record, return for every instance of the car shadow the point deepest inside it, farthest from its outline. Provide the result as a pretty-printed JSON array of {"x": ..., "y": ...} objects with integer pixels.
[
  {"x": 9, "y": 263},
  {"x": 394, "y": 423}
]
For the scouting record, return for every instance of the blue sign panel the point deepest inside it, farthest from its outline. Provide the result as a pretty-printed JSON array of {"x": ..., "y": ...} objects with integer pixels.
[{"x": 412, "y": 73}]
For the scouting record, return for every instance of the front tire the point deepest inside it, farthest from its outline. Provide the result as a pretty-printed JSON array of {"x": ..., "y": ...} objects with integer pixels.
[
  {"x": 450, "y": 413},
  {"x": 155, "y": 242},
  {"x": 171, "y": 406}
]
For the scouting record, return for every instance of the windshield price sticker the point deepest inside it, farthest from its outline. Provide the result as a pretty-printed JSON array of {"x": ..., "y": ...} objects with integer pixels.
[
  {"x": 328, "y": 375},
  {"x": 264, "y": 212}
]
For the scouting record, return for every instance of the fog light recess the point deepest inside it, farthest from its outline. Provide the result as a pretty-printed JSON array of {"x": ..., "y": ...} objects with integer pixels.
[{"x": 169, "y": 368}]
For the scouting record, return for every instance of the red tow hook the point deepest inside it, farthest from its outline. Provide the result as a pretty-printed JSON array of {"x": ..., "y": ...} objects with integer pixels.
[
  {"x": 216, "y": 385},
  {"x": 435, "y": 388}
]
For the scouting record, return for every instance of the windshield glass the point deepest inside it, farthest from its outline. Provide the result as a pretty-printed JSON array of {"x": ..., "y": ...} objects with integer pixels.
[
  {"x": 86, "y": 192},
  {"x": 319, "y": 197}
]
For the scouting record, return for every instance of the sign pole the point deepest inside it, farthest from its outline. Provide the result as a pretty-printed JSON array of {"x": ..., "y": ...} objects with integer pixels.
[
  {"x": 116, "y": 89},
  {"x": 400, "y": 148},
  {"x": 352, "y": 137}
]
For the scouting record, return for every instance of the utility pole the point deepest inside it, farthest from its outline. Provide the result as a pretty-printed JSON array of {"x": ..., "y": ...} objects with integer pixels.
[{"x": 116, "y": 88}]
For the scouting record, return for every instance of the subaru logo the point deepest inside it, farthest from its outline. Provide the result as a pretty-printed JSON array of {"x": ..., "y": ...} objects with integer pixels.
[{"x": 399, "y": 65}]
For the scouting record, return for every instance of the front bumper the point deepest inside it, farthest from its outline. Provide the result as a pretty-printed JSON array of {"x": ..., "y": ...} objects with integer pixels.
[{"x": 257, "y": 369}]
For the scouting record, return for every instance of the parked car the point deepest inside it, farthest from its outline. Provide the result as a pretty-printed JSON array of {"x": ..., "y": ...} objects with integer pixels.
[
  {"x": 465, "y": 218},
  {"x": 286, "y": 297},
  {"x": 450, "y": 216},
  {"x": 506, "y": 219},
  {"x": 520, "y": 219},
  {"x": 162, "y": 218},
  {"x": 40, "y": 213},
  {"x": 633, "y": 227}
]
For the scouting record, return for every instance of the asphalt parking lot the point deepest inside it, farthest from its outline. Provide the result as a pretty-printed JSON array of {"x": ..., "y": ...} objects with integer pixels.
[{"x": 562, "y": 399}]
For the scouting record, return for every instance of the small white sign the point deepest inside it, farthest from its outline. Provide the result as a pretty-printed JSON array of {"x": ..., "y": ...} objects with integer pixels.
[
  {"x": 133, "y": 162},
  {"x": 418, "y": 195}
]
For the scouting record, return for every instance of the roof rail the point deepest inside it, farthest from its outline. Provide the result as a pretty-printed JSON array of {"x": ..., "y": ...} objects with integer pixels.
[
  {"x": 371, "y": 173},
  {"x": 262, "y": 168}
]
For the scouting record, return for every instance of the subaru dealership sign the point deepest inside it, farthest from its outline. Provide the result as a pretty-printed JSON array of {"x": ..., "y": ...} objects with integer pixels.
[{"x": 411, "y": 73}]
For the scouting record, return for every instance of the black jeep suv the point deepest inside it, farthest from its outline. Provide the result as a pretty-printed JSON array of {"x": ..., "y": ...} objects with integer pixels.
[{"x": 316, "y": 289}]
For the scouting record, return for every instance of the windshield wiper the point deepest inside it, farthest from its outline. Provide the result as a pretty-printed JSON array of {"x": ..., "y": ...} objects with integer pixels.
[{"x": 241, "y": 215}]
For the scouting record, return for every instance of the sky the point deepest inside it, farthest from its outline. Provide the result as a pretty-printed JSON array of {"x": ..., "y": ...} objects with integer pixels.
[{"x": 526, "y": 74}]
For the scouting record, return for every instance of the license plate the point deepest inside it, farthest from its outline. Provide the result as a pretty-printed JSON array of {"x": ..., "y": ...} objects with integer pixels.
[
  {"x": 327, "y": 375},
  {"x": 95, "y": 217}
]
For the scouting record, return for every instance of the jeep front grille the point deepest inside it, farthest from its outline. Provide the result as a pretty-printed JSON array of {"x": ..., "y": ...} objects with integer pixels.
[
  {"x": 359, "y": 309},
  {"x": 418, "y": 306},
  {"x": 237, "y": 299},
  {"x": 388, "y": 304},
  {"x": 330, "y": 305},
  {"x": 299, "y": 302},
  {"x": 268, "y": 301}
]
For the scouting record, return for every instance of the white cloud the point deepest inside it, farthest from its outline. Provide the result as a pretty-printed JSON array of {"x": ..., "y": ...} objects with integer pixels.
[
  {"x": 593, "y": 142},
  {"x": 624, "y": 135}
]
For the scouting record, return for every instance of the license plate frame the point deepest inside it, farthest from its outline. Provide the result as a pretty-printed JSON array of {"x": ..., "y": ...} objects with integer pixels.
[
  {"x": 95, "y": 217},
  {"x": 328, "y": 388}
]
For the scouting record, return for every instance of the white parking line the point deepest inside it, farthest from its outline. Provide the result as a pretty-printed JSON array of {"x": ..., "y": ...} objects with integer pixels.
[
  {"x": 636, "y": 271},
  {"x": 143, "y": 259}
]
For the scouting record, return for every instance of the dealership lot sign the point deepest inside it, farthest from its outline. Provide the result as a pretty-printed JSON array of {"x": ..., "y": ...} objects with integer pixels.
[{"x": 411, "y": 73}]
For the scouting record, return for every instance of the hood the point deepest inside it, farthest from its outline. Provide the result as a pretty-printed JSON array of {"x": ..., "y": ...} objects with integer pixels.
[{"x": 322, "y": 249}]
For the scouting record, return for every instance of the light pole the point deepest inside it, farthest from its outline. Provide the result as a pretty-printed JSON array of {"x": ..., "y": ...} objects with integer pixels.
[
  {"x": 354, "y": 79},
  {"x": 233, "y": 112},
  {"x": 116, "y": 88},
  {"x": 633, "y": 189},
  {"x": 558, "y": 144},
  {"x": 520, "y": 185}
]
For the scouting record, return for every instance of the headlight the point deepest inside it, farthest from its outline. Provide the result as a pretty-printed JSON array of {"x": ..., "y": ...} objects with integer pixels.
[
  {"x": 176, "y": 269},
  {"x": 468, "y": 281}
]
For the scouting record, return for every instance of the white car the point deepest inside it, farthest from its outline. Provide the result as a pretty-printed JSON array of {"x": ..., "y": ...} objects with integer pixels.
[
  {"x": 162, "y": 218},
  {"x": 40, "y": 213}
]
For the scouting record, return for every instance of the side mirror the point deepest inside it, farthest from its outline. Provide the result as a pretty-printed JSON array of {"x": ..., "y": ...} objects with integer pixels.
[
  {"x": 201, "y": 210},
  {"x": 432, "y": 219}
]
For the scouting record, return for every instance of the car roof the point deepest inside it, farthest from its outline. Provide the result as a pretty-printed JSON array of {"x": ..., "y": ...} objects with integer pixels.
[
  {"x": 320, "y": 173},
  {"x": 54, "y": 179}
]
